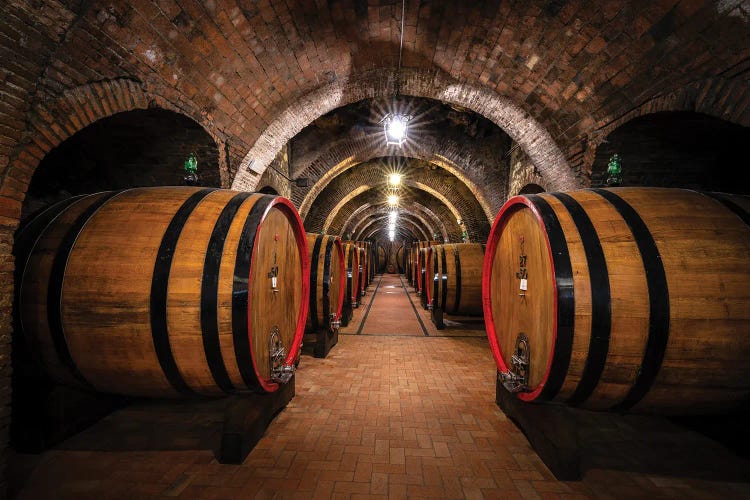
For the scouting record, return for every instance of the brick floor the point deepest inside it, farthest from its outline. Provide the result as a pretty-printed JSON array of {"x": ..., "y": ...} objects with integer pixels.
[{"x": 385, "y": 415}]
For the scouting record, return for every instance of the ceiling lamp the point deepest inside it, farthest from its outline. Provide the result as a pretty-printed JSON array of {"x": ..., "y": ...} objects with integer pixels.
[
  {"x": 394, "y": 179},
  {"x": 392, "y": 200},
  {"x": 396, "y": 128}
]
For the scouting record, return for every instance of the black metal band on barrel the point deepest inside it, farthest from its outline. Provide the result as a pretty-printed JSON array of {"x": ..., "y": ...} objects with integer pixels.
[
  {"x": 731, "y": 205},
  {"x": 56, "y": 278},
  {"x": 210, "y": 293},
  {"x": 601, "y": 311},
  {"x": 313, "y": 313},
  {"x": 240, "y": 316},
  {"x": 457, "y": 259},
  {"x": 444, "y": 265},
  {"x": 327, "y": 281},
  {"x": 565, "y": 299},
  {"x": 658, "y": 297},
  {"x": 159, "y": 287}
]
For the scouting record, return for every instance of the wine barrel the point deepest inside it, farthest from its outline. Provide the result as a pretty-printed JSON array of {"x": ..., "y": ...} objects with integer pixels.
[
  {"x": 426, "y": 255},
  {"x": 401, "y": 260},
  {"x": 422, "y": 256},
  {"x": 418, "y": 264},
  {"x": 327, "y": 282},
  {"x": 351, "y": 296},
  {"x": 382, "y": 258},
  {"x": 623, "y": 299},
  {"x": 456, "y": 278},
  {"x": 167, "y": 292},
  {"x": 364, "y": 262}
]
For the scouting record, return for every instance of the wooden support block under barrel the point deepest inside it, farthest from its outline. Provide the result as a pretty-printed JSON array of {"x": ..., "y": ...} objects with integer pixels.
[
  {"x": 246, "y": 419},
  {"x": 550, "y": 429}
]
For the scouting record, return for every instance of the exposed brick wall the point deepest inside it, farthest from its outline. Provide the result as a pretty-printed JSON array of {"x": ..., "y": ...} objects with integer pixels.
[
  {"x": 724, "y": 98},
  {"x": 431, "y": 84},
  {"x": 468, "y": 146},
  {"x": 418, "y": 214},
  {"x": 678, "y": 149},
  {"x": 417, "y": 174},
  {"x": 373, "y": 197},
  {"x": 522, "y": 172},
  {"x": 482, "y": 170},
  {"x": 276, "y": 175},
  {"x": 130, "y": 149}
]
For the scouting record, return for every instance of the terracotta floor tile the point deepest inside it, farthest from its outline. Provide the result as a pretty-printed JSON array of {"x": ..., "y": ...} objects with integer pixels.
[{"x": 388, "y": 413}]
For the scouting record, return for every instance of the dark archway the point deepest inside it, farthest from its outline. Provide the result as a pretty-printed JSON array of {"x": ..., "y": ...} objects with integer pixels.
[
  {"x": 531, "y": 188},
  {"x": 268, "y": 190},
  {"x": 145, "y": 147},
  {"x": 678, "y": 149}
]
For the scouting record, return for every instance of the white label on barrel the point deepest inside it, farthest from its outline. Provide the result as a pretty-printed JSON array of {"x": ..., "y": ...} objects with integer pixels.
[
  {"x": 524, "y": 284},
  {"x": 273, "y": 281}
]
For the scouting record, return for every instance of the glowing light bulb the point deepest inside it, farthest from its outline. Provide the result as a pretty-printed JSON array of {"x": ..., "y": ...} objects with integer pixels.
[
  {"x": 392, "y": 199},
  {"x": 396, "y": 129},
  {"x": 394, "y": 179}
]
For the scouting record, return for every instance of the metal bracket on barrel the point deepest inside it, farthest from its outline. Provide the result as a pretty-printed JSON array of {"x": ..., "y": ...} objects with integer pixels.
[
  {"x": 516, "y": 379},
  {"x": 280, "y": 372}
]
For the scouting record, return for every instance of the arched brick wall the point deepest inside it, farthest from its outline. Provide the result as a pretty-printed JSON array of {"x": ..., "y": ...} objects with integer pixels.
[
  {"x": 517, "y": 123},
  {"x": 486, "y": 184},
  {"x": 424, "y": 215},
  {"x": 728, "y": 99},
  {"x": 406, "y": 224},
  {"x": 371, "y": 175},
  {"x": 373, "y": 198}
]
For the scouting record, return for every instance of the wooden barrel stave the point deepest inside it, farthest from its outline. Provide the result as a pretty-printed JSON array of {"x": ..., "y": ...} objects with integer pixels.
[
  {"x": 146, "y": 295},
  {"x": 701, "y": 301}
]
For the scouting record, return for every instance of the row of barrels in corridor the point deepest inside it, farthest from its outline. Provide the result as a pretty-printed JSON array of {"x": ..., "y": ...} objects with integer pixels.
[
  {"x": 609, "y": 299},
  {"x": 340, "y": 272}
]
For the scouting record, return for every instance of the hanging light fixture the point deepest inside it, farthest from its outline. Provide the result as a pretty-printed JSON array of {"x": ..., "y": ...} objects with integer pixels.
[
  {"x": 392, "y": 200},
  {"x": 394, "y": 180},
  {"x": 396, "y": 125},
  {"x": 396, "y": 128}
]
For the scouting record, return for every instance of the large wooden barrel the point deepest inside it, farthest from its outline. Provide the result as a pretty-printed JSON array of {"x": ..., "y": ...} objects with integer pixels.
[
  {"x": 624, "y": 299},
  {"x": 422, "y": 257},
  {"x": 364, "y": 263},
  {"x": 382, "y": 252},
  {"x": 418, "y": 267},
  {"x": 327, "y": 282},
  {"x": 456, "y": 274},
  {"x": 167, "y": 292},
  {"x": 351, "y": 296},
  {"x": 401, "y": 259}
]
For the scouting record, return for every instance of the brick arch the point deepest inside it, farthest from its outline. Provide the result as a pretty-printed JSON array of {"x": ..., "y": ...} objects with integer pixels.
[
  {"x": 417, "y": 230},
  {"x": 443, "y": 152},
  {"x": 362, "y": 189},
  {"x": 372, "y": 197},
  {"x": 532, "y": 137},
  {"x": 715, "y": 97},
  {"x": 340, "y": 204},
  {"x": 424, "y": 214},
  {"x": 370, "y": 176},
  {"x": 51, "y": 123},
  {"x": 419, "y": 214}
]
